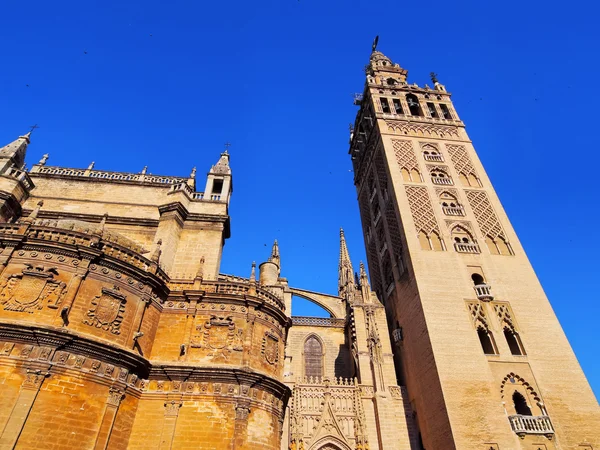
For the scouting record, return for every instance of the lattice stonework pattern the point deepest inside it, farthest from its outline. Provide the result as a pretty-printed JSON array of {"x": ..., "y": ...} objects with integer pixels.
[
  {"x": 379, "y": 164},
  {"x": 484, "y": 213},
  {"x": 478, "y": 314},
  {"x": 421, "y": 209},
  {"x": 405, "y": 155},
  {"x": 461, "y": 160}
]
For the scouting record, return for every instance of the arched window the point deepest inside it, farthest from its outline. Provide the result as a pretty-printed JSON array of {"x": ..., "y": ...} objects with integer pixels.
[
  {"x": 313, "y": 357},
  {"x": 439, "y": 176},
  {"x": 520, "y": 403},
  {"x": 498, "y": 246},
  {"x": 514, "y": 341},
  {"x": 413, "y": 105},
  {"x": 433, "y": 241},
  {"x": 487, "y": 340},
  {"x": 463, "y": 241},
  {"x": 450, "y": 205},
  {"x": 430, "y": 153}
]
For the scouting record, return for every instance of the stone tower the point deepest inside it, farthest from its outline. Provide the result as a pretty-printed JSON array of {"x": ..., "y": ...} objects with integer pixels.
[{"x": 485, "y": 361}]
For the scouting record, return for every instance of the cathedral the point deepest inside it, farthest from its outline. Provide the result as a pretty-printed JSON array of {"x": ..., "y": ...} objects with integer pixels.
[{"x": 118, "y": 330}]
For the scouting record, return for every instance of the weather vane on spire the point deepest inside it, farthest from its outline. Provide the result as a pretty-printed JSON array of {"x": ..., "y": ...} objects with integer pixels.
[
  {"x": 227, "y": 145},
  {"x": 33, "y": 127},
  {"x": 375, "y": 41}
]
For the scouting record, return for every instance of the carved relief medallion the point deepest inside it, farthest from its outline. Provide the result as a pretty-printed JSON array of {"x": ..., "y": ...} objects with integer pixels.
[
  {"x": 28, "y": 290},
  {"x": 107, "y": 310},
  {"x": 219, "y": 336},
  {"x": 270, "y": 348}
]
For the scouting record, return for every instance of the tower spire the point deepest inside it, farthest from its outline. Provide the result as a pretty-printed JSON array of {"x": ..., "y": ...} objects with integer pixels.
[
  {"x": 13, "y": 154},
  {"x": 345, "y": 271},
  {"x": 275, "y": 258}
]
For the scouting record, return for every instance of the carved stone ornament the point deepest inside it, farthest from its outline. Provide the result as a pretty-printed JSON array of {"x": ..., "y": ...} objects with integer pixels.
[
  {"x": 107, "y": 310},
  {"x": 27, "y": 291},
  {"x": 172, "y": 408},
  {"x": 33, "y": 379},
  {"x": 270, "y": 348},
  {"x": 114, "y": 397},
  {"x": 219, "y": 336}
]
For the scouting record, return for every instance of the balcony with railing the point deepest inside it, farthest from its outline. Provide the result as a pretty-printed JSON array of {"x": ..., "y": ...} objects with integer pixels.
[
  {"x": 483, "y": 291},
  {"x": 523, "y": 425},
  {"x": 433, "y": 157},
  {"x": 453, "y": 210},
  {"x": 445, "y": 181},
  {"x": 466, "y": 247}
]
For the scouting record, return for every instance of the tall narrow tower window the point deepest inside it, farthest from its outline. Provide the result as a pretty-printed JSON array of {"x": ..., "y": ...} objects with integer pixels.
[
  {"x": 513, "y": 341},
  {"x": 385, "y": 105},
  {"x": 398, "y": 106},
  {"x": 217, "y": 186},
  {"x": 445, "y": 111},
  {"x": 432, "y": 111},
  {"x": 413, "y": 105},
  {"x": 313, "y": 358},
  {"x": 487, "y": 341}
]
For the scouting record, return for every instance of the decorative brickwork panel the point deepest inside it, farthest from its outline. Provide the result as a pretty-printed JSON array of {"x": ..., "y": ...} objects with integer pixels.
[
  {"x": 421, "y": 209},
  {"x": 394, "y": 232},
  {"x": 484, "y": 213},
  {"x": 421, "y": 129},
  {"x": 505, "y": 315},
  {"x": 461, "y": 160},
  {"x": 405, "y": 154}
]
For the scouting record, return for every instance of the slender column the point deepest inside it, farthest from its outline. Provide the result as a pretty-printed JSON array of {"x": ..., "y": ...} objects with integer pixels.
[
  {"x": 18, "y": 416},
  {"x": 242, "y": 411},
  {"x": 115, "y": 396},
  {"x": 189, "y": 329},
  {"x": 139, "y": 318},
  {"x": 169, "y": 424}
]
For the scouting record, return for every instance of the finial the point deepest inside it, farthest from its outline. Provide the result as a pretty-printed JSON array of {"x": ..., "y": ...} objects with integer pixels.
[
  {"x": 91, "y": 166},
  {"x": 345, "y": 271},
  {"x": 103, "y": 223},
  {"x": 193, "y": 174},
  {"x": 434, "y": 78},
  {"x": 227, "y": 145},
  {"x": 144, "y": 170},
  {"x": 253, "y": 273},
  {"x": 375, "y": 42},
  {"x": 157, "y": 252},
  {"x": 34, "y": 213},
  {"x": 33, "y": 128},
  {"x": 44, "y": 159}
]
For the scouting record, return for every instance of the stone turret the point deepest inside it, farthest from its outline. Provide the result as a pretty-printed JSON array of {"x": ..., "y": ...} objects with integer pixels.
[
  {"x": 218, "y": 182},
  {"x": 270, "y": 269},
  {"x": 13, "y": 154}
]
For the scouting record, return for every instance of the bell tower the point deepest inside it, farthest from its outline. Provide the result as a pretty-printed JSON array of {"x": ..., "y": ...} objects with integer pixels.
[{"x": 485, "y": 361}]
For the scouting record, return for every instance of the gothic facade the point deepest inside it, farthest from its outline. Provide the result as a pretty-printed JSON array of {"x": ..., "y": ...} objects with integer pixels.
[{"x": 118, "y": 331}]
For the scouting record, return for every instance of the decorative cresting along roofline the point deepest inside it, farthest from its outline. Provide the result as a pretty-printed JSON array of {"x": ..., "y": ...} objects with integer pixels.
[{"x": 105, "y": 175}]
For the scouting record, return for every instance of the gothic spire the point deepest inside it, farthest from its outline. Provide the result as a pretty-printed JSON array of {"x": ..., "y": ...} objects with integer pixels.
[
  {"x": 15, "y": 151},
  {"x": 346, "y": 272},
  {"x": 365, "y": 287},
  {"x": 275, "y": 254}
]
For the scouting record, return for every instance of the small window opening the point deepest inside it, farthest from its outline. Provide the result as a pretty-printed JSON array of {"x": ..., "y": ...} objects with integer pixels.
[
  {"x": 385, "y": 106},
  {"x": 521, "y": 404},
  {"x": 398, "y": 106},
  {"x": 513, "y": 341},
  {"x": 486, "y": 341},
  {"x": 477, "y": 279},
  {"x": 445, "y": 111},
  {"x": 432, "y": 111},
  {"x": 217, "y": 186}
]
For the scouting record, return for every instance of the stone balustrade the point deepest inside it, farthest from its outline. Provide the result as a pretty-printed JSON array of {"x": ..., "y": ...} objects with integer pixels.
[
  {"x": 453, "y": 210},
  {"x": 442, "y": 181},
  {"x": 466, "y": 248},
  {"x": 318, "y": 321},
  {"x": 107, "y": 175},
  {"x": 523, "y": 425},
  {"x": 483, "y": 291}
]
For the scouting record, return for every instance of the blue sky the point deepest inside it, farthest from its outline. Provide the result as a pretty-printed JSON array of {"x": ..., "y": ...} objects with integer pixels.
[{"x": 129, "y": 84}]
